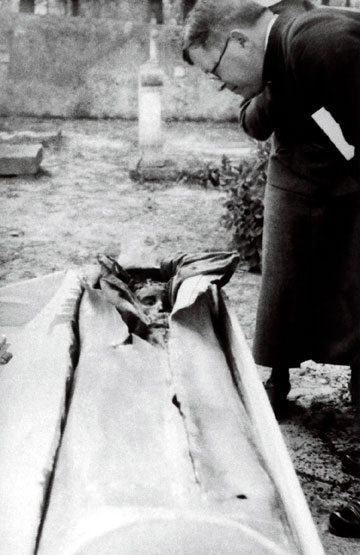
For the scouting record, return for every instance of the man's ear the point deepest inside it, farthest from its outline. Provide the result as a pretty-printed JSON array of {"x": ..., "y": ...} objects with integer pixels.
[{"x": 239, "y": 36}]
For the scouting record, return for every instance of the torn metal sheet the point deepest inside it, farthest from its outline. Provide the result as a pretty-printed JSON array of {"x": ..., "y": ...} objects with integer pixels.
[
  {"x": 265, "y": 431},
  {"x": 227, "y": 465},
  {"x": 122, "y": 453},
  {"x": 39, "y": 315}
]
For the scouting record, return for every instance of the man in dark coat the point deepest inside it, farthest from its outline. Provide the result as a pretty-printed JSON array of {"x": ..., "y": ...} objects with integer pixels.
[
  {"x": 304, "y": 64},
  {"x": 257, "y": 120},
  {"x": 292, "y": 314}
]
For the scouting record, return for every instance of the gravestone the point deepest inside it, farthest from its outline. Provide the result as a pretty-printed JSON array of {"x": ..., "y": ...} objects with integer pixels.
[
  {"x": 150, "y": 164},
  {"x": 20, "y": 159}
]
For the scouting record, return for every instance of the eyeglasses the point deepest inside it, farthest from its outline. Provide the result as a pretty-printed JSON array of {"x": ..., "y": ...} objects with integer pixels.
[{"x": 212, "y": 73}]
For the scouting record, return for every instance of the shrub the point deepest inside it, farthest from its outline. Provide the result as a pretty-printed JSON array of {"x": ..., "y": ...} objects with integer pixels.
[{"x": 245, "y": 186}]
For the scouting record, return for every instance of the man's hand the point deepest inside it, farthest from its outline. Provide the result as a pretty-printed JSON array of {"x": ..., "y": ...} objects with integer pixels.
[{"x": 256, "y": 115}]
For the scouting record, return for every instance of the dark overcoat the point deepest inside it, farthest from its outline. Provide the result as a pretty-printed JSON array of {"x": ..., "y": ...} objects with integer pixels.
[{"x": 309, "y": 305}]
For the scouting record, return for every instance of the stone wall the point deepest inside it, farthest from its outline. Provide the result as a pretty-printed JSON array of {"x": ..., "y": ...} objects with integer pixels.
[
  {"x": 86, "y": 67},
  {"x": 137, "y": 10},
  {"x": 134, "y": 10},
  {"x": 81, "y": 67},
  {"x": 167, "y": 11},
  {"x": 40, "y": 7}
]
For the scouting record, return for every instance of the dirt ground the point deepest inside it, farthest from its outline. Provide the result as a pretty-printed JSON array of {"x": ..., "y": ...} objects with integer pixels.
[{"x": 83, "y": 203}]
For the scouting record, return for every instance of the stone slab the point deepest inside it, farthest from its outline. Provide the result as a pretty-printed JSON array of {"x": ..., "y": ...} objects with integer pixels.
[
  {"x": 184, "y": 158},
  {"x": 20, "y": 159},
  {"x": 153, "y": 169},
  {"x": 140, "y": 250}
]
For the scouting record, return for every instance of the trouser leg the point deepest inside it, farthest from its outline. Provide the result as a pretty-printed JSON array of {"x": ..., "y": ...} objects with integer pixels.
[
  {"x": 280, "y": 377},
  {"x": 277, "y": 387},
  {"x": 354, "y": 387}
]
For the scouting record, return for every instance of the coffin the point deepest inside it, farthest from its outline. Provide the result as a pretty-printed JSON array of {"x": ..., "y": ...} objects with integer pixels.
[{"x": 113, "y": 445}]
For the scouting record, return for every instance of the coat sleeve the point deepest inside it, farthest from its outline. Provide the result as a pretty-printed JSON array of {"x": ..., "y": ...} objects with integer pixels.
[
  {"x": 356, "y": 109},
  {"x": 256, "y": 117},
  {"x": 326, "y": 65}
]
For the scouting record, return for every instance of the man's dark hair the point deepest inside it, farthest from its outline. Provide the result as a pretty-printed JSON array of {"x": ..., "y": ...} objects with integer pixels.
[
  {"x": 209, "y": 19},
  {"x": 293, "y": 6}
]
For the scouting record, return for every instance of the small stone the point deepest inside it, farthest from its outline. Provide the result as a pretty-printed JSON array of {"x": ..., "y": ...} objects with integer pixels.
[{"x": 16, "y": 233}]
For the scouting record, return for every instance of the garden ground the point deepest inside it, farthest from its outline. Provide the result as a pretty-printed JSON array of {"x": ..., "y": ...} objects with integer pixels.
[{"x": 83, "y": 203}]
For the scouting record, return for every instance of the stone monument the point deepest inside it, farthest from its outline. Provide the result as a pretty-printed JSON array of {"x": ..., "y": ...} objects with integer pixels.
[
  {"x": 150, "y": 162},
  {"x": 151, "y": 82}
]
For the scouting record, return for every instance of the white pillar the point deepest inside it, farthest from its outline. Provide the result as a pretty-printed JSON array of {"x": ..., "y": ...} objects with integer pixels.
[
  {"x": 151, "y": 80},
  {"x": 4, "y": 65}
]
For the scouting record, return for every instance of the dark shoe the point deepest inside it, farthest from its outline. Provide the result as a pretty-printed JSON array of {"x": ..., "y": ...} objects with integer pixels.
[
  {"x": 354, "y": 388},
  {"x": 277, "y": 391},
  {"x": 351, "y": 463},
  {"x": 346, "y": 521}
]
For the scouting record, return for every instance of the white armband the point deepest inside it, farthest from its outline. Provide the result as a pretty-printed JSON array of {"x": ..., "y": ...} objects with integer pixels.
[{"x": 333, "y": 130}]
